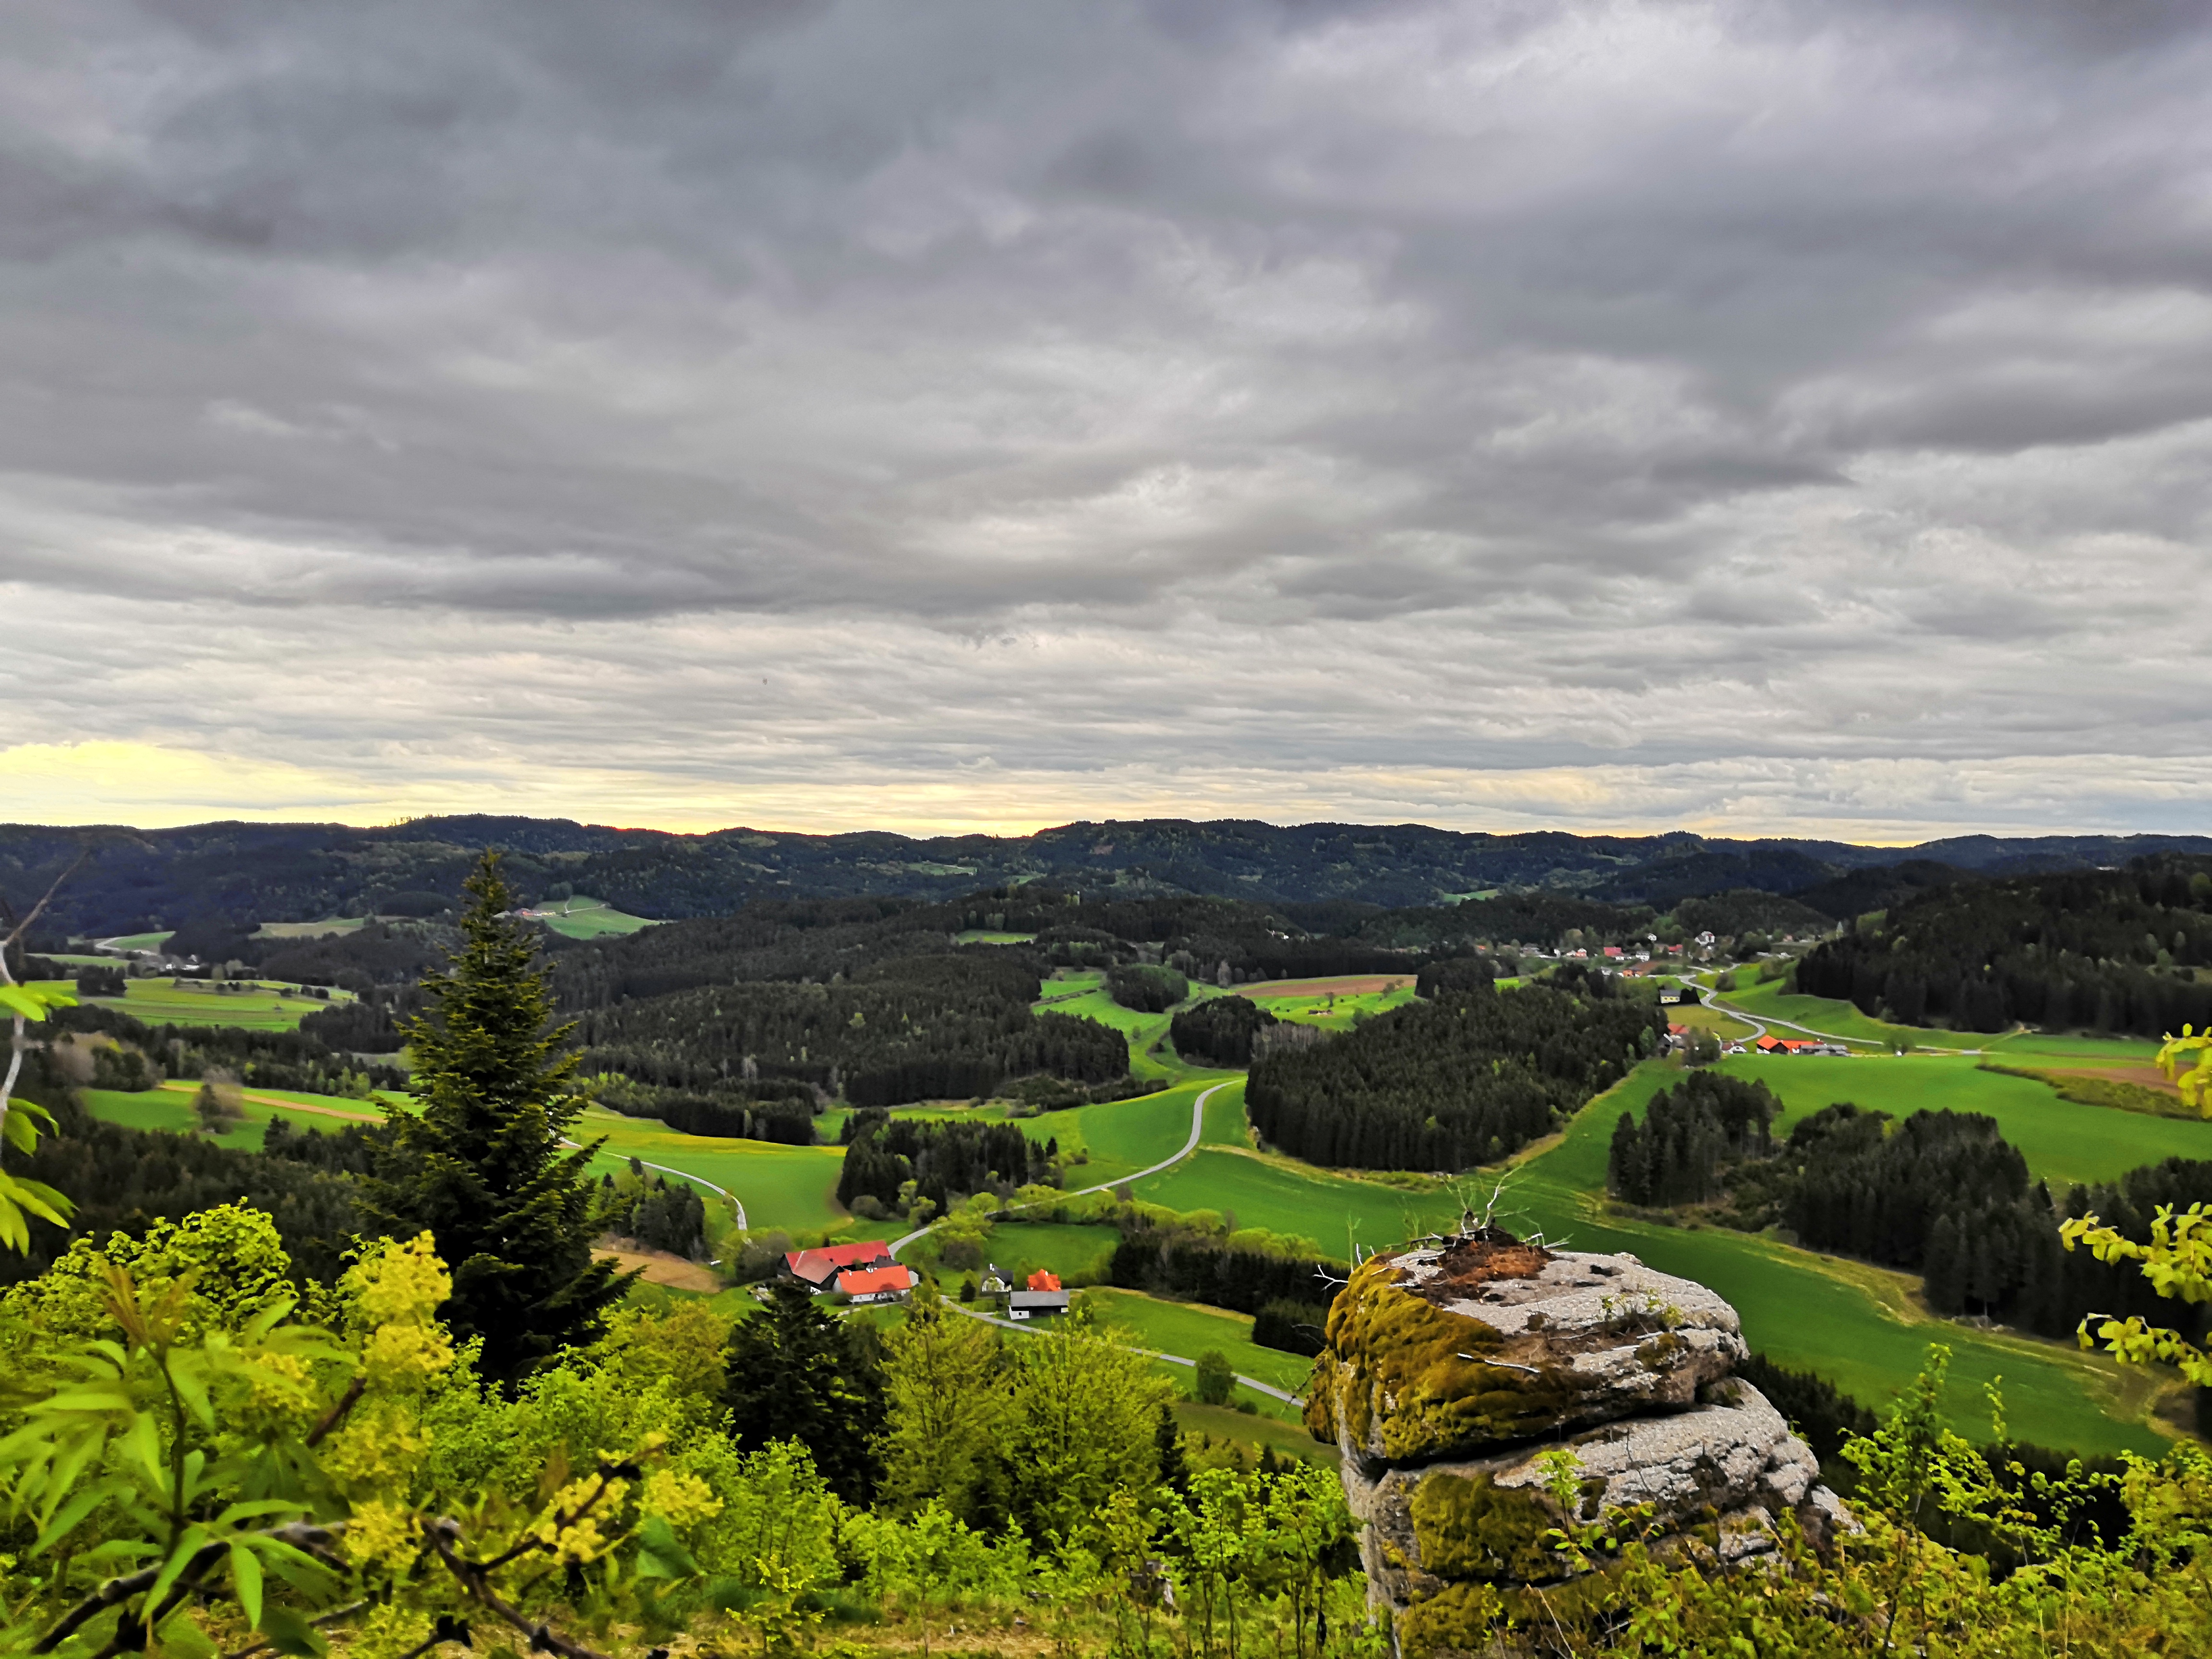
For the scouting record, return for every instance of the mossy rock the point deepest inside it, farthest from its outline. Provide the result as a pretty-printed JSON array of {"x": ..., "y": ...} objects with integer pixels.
[
  {"x": 1405, "y": 1387},
  {"x": 1469, "y": 1527}
]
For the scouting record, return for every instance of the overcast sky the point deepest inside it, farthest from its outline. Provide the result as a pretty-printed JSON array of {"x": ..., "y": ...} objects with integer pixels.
[{"x": 1758, "y": 418}]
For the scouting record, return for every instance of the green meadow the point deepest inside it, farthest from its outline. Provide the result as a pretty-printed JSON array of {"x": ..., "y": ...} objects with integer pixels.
[
  {"x": 1314, "y": 1002},
  {"x": 1189, "y": 1329},
  {"x": 137, "y": 941},
  {"x": 1860, "y": 1326},
  {"x": 793, "y": 1188},
  {"x": 2062, "y": 1141},
  {"x": 591, "y": 918},
  {"x": 170, "y": 1109},
  {"x": 310, "y": 929},
  {"x": 1336, "y": 1211},
  {"x": 249, "y": 1006}
]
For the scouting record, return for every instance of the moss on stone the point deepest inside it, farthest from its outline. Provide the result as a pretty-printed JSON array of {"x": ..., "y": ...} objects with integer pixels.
[
  {"x": 1474, "y": 1528},
  {"x": 1461, "y": 1619},
  {"x": 1402, "y": 1358},
  {"x": 1320, "y": 1408}
]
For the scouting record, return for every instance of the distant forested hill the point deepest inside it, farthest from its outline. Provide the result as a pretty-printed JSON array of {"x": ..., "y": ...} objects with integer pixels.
[
  {"x": 231, "y": 876},
  {"x": 2108, "y": 949}
]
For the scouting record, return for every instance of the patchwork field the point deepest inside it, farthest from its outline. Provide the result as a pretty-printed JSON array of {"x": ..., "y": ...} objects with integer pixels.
[
  {"x": 170, "y": 1109},
  {"x": 253, "y": 1006},
  {"x": 1335, "y": 1004}
]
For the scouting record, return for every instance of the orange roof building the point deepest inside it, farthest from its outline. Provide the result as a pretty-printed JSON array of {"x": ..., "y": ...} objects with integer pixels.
[{"x": 1041, "y": 1281}]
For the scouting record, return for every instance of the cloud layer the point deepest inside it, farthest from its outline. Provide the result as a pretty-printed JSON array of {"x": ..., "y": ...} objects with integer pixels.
[{"x": 1754, "y": 417}]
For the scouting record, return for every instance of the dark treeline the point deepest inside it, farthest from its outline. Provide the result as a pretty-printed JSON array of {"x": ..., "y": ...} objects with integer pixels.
[
  {"x": 1450, "y": 974},
  {"x": 1444, "y": 1085},
  {"x": 261, "y": 1059},
  {"x": 1193, "y": 1265},
  {"x": 2094, "y": 948},
  {"x": 945, "y": 1161},
  {"x": 125, "y": 1180},
  {"x": 1146, "y": 987},
  {"x": 780, "y": 1109},
  {"x": 918, "y": 1028},
  {"x": 1675, "y": 1155},
  {"x": 1291, "y": 1326},
  {"x": 1219, "y": 1030}
]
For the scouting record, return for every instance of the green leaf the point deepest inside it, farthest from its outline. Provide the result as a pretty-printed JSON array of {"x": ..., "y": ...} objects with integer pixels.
[
  {"x": 254, "y": 1510},
  {"x": 658, "y": 1554},
  {"x": 29, "y": 1004},
  {"x": 288, "y": 1633},
  {"x": 73, "y": 1512},
  {"x": 245, "y": 1576}
]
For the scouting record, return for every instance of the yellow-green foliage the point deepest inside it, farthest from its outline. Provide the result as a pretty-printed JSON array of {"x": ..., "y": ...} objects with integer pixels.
[
  {"x": 1472, "y": 1529},
  {"x": 1398, "y": 1358}
]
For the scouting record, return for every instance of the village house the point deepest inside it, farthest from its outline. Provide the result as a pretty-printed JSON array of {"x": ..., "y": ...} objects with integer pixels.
[
  {"x": 820, "y": 1266},
  {"x": 889, "y": 1283},
  {"x": 1044, "y": 1297}
]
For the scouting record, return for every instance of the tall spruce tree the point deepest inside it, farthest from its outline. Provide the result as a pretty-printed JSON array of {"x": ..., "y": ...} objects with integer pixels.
[{"x": 482, "y": 1166}]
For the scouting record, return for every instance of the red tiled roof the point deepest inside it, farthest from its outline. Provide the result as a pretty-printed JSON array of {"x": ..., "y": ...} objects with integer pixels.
[
  {"x": 819, "y": 1263},
  {"x": 1042, "y": 1280},
  {"x": 867, "y": 1281}
]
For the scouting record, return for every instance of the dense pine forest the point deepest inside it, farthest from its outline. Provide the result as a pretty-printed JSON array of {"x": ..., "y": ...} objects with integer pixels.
[
  {"x": 1441, "y": 1085},
  {"x": 2101, "y": 949}
]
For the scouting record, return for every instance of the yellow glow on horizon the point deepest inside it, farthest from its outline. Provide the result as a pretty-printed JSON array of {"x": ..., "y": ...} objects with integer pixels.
[{"x": 153, "y": 786}]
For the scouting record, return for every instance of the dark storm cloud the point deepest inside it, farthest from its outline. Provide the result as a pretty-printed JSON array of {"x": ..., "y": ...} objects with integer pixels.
[{"x": 1320, "y": 386}]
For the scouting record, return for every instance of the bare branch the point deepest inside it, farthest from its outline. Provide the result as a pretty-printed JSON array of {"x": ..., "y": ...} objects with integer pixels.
[
  {"x": 24, "y": 926},
  {"x": 338, "y": 1413}
]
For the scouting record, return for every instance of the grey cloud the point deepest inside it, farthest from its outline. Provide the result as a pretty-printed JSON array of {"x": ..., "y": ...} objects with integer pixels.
[{"x": 1453, "y": 380}]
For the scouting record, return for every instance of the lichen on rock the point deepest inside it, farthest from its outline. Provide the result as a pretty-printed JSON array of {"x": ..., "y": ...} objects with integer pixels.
[{"x": 1482, "y": 1388}]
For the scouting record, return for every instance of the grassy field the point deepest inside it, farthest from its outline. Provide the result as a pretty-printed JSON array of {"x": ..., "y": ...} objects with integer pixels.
[
  {"x": 790, "y": 1187},
  {"x": 1859, "y": 1325},
  {"x": 196, "y": 1002},
  {"x": 1842, "y": 1019},
  {"x": 1335, "y": 1004},
  {"x": 310, "y": 929},
  {"x": 985, "y": 936},
  {"x": 1333, "y": 1211},
  {"x": 2062, "y": 1141},
  {"x": 137, "y": 941},
  {"x": 1085, "y": 996},
  {"x": 170, "y": 1109},
  {"x": 1698, "y": 1018},
  {"x": 1023, "y": 1248},
  {"x": 1189, "y": 1329},
  {"x": 590, "y": 918},
  {"x": 1117, "y": 1138}
]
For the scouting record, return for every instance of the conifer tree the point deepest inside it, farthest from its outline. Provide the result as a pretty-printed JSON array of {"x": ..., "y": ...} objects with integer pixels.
[{"x": 483, "y": 1165}]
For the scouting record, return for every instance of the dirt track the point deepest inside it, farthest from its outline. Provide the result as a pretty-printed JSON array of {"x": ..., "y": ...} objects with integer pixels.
[{"x": 673, "y": 1271}]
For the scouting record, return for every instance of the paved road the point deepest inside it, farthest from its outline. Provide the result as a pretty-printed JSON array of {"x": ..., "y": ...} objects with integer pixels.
[
  {"x": 1197, "y": 1128},
  {"x": 1760, "y": 1022}
]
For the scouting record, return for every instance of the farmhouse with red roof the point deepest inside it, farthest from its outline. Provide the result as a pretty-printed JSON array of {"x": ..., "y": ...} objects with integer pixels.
[{"x": 818, "y": 1267}]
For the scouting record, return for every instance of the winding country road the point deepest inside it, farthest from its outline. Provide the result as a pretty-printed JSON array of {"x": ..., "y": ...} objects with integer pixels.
[{"x": 1197, "y": 1130}]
